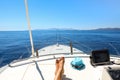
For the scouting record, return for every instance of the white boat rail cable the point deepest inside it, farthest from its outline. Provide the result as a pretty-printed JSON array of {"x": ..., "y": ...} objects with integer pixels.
[
  {"x": 30, "y": 32},
  {"x": 117, "y": 52}
]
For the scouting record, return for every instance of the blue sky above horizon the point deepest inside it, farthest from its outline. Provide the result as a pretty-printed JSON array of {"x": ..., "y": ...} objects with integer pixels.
[{"x": 75, "y": 14}]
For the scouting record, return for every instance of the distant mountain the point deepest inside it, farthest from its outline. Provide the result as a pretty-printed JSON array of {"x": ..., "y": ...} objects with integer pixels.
[
  {"x": 108, "y": 29},
  {"x": 101, "y": 29}
]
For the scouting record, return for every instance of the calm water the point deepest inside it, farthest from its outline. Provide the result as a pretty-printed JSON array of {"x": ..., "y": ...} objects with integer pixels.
[{"x": 16, "y": 44}]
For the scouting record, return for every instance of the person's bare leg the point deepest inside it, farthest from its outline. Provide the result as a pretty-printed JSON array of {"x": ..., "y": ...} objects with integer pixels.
[
  {"x": 61, "y": 65},
  {"x": 57, "y": 66},
  {"x": 59, "y": 69}
]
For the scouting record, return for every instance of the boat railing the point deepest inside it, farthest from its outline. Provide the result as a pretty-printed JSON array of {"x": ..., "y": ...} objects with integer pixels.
[
  {"x": 86, "y": 47},
  {"x": 83, "y": 46}
]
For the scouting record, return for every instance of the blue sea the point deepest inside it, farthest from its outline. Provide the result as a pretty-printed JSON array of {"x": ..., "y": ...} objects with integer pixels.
[{"x": 16, "y": 44}]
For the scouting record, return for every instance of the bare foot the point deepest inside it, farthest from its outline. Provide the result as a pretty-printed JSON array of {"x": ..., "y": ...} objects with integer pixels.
[
  {"x": 59, "y": 68},
  {"x": 61, "y": 64}
]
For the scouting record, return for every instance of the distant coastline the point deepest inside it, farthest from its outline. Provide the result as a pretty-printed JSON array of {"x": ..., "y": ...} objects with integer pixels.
[
  {"x": 79, "y": 29},
  {"x": 108, "y": 29}
]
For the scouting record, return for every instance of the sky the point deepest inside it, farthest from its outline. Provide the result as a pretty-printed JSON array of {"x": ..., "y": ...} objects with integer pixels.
[{"x": 62, "y": 14}]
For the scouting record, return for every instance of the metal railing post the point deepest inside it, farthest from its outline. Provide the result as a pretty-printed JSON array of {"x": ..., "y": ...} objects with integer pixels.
[
  {"x": 37, "y": 54},
  {"x": 71, "y": 48}
]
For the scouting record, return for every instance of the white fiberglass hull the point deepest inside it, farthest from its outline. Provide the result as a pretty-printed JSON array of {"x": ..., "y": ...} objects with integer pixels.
[{"x": 43, "y": 67}]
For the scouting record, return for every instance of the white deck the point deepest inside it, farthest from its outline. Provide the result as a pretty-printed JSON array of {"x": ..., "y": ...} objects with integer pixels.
[{"x": 43, "y": 68}]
